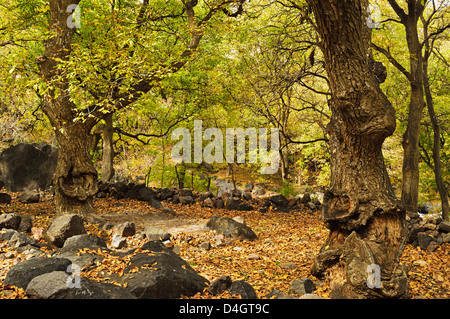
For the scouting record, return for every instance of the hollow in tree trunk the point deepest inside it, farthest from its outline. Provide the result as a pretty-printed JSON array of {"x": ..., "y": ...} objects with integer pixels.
[{"x": 366, "y": 222}]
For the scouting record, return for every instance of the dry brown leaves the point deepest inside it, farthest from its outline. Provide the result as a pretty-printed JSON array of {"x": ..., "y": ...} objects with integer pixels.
[{"x": 283, "y": 252}]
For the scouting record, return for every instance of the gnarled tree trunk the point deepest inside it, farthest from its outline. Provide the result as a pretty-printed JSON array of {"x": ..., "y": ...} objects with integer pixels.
[
  {"x": 365, "y": 219},
  {"x": 75, "y": 179}
]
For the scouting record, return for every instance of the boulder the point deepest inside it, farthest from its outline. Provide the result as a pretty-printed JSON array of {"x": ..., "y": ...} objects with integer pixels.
[
  {"x": 22, "y": 273},
  {"x": 446, "y": 238},
  {"x": 219, "y": 285},
  {"x": 155, "y": 204},
  {"x": 146, "y": 194},
  {"x": 25, "y": 224},
  {"x": 59, "y": 285},
  {"x": 125, "y": 229},
  {"x": 444, "y": 227},
  {"x": 29, "y": 197},
  {"x": 242, "y": 288},
  {"x": 186, "y": 200},
  {"x": 10, "y": 221},
  {"x": 232, "y": 203},
  {"x": 218, "y": 203},
  {"x": 162, "y": 274},
  {"x": 28, "y": 166},
  {"x": 279, "y": 200},
  {"x": 63, "y": 227},
  {"x": 302, "y": 286},
  {"x": 305, "y": 199},
  {"x": 231, "y": 228},
  {"x": 424, "y": 240},
  {"x": 5, "y": 198},
  {"x": 74, "y": 243},
  {"x": 19, "y": 239},
  {"x": 155, "y": 233}
]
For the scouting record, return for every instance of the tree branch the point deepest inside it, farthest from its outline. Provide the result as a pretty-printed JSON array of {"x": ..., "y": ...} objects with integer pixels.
[{"x": 393, "y": 61}]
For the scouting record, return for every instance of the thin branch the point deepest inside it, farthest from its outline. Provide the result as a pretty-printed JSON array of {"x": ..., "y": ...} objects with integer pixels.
[{"x": 393, "y": 61}]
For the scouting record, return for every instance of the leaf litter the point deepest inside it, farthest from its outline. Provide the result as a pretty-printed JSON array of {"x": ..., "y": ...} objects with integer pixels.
[{"x": 284, "y": 251}]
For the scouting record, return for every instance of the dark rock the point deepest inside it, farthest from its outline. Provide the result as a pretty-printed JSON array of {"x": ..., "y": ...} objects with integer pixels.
[
  {"x": 242, "y": 288},
  {"x": 446, "y": 238},
  {"x": 305, "y": 199},
  {"x": 424, "y": 240},
  {"x": 231, "y": 228},
  {"x": 220, "y": 285},
  {"x": 19, "y": 239},
  {"x": 186, "y": 199},
  {"x": 233, "y": 203},
  {"x": 185, "y": 192},
  {"x": 10, "y": 221},
  {"x": 413, "y": 231},
  {"x": 28, "y": 166},
  {"x": 125, "y": 229},
  {"x": 164, "y": 193},
  {"x": 432, "y": 246},
  {"x": 156, "y": 204},
  {"x": 146, "y": 194},
  {"x": 424, "y": 208},
  {"x": 5, "y": 198},
  {"x": 29, "y": 197},
  {"x": 208, "y": 202},
  {"x": 21, "y": 274},
  {"x": 63, "y": 227},
  {"x": 247, "y": 196},
  {"x": 164, "y": 275},
  {"x": 76, "y": 242},
  {"x": 58, "y": 285},
  {"x": 302, "y": 286},
  {"x": 444, "y": 227},
  {"x": 25, "y": 224},
  {"x": 218, "y": 203},
  {"x": 279, "y": 200}
]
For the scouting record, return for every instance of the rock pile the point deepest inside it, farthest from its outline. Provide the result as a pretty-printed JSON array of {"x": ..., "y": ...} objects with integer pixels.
[
  {"x": 429, "y": 233},
  {"x": 251, "y": 198},
  {"x": 149, "y": 271}
]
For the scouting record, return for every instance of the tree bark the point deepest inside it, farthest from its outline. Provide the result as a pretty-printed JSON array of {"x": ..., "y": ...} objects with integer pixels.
[
  {"x": 410, "y": 170},
  {"x": 108, "y": 149},
  {"x": 365, "y": 219},
  {"x": 75, "y": 179},
  {"x": 437, "y": 167}
]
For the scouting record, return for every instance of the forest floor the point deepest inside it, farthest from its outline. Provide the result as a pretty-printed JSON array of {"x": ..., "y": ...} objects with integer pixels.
[{"x": 284, "y": 251}]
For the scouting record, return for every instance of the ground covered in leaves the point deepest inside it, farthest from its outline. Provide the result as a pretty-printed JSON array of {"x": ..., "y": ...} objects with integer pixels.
[{"x": 283, "y": 252}]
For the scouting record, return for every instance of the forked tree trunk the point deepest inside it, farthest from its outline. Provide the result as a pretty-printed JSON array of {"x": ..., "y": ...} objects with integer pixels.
[{"x": 365, "y": 219}]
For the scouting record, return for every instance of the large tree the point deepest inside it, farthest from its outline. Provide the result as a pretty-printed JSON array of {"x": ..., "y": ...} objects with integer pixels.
[
  {"x": 365, "y": 219},
  {"x": 122, "y": 51}
]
